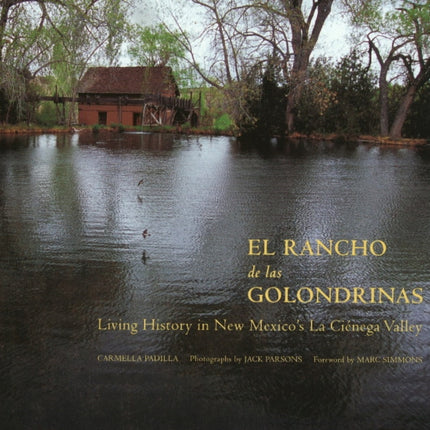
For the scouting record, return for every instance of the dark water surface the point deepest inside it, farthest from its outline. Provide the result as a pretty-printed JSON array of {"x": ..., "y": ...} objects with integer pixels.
[{"x": 73, "y": 261}]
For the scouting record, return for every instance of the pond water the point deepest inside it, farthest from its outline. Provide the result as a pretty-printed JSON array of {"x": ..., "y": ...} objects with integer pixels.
[{"x": 77, "y": 273}]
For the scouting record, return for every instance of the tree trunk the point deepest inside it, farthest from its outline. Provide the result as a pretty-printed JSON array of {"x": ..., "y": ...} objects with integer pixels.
[
  {"x": 293, "y": 98},
  {"x": 224, "y": 46},
  {"x": 290, "y": 114},
  {"x": 383, "y": 101},
  {"x": 304, "y": 39},
  {"x": 402, "y": 112},
  {"x": 4, "y": 13}
]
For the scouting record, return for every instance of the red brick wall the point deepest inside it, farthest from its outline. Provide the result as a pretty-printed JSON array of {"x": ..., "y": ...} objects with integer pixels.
[{"x": 89, "y": 114}]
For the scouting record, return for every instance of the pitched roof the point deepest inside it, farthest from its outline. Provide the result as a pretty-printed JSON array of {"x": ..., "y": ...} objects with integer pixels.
[{"x": 128, "y": 80}]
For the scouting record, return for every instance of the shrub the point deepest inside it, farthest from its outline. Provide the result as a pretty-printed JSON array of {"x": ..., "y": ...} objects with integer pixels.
[{"x": 223, "y": 123}]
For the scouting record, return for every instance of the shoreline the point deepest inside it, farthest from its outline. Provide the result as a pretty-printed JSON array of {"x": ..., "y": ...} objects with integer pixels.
[{"x": 361, "y": 139}]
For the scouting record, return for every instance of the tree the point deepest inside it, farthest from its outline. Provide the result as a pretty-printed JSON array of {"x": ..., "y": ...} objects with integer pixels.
[
  {"x": 318, "y": 100},
  {"x": 415, "y": 22},
  {"x": 245, "y": 33},
  {"x": 220, "y": 24},
  {"x": 299, "y": 24},
  {"x": 268, "y": 108},
  {"x": 398, "y": 35},
  {"x": 218, "y": 52},
  {"x": 355, "y": 88},
  {"x": 57, "y": 37},
  {"x": 157, "y": 46}
]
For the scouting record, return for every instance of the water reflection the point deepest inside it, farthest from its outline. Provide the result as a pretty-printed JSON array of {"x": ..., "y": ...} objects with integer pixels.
[{"x": 74, "y": 209}]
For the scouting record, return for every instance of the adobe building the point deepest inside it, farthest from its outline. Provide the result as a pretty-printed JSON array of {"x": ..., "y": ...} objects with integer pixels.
[{"x": 130, "y": 96}]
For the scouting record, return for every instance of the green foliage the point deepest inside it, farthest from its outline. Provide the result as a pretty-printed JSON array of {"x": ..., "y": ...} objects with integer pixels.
[
  {"x": 153, "y": 46},
  {"x": 119, "y": 127},
  {"x": 18, "y": 95},
  {"x": 398, "y": 35},
  {"x": 203, "y": 103},
  {"x": 46, "y": 114},
  {"x": 413, "y": 19},
  {"x": 355, "y": 89},
  {"x": 213, "y": 105},
  {"x": 254, "y": 106},
  {"x": 368, "y": 12},
  {"x": 158, "y": 46},
  {"x": 223, "y": 123},
  {"x": 5, "y": 108},
  {"x": 339, "y": 98},
  {"x": 269, "y": 108},
  {"x": 317, "y": 98},
  {"x": 55, "y": 38},
  {"x": 13, "y": 84},
  {"x": 418, "y": 124}
]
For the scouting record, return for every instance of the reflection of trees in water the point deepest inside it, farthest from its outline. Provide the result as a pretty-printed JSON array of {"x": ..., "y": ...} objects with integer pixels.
[{"x": 129, "y": 140}]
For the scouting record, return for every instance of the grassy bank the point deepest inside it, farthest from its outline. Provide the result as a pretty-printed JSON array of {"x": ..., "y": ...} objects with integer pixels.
[
  {"x": 205, "y": 131},
  {"x": 32, "y": 128},
  {"x": 367, "y": 139}
]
